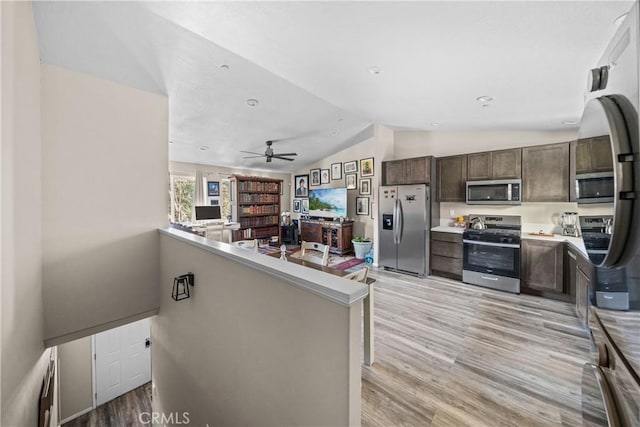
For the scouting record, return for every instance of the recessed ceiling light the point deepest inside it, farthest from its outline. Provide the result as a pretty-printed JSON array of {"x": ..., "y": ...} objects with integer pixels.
[
  {"x": 252, "y": 102},
  {"x": 203, "y": 148},
  {"x": 224, "y": 67},
  {"x": 374, "y": 70},
  {"x": 484, "y": 98},
  {"x": 619, "y": 19},
  {"x": 170, "y": 142},
  {"x": 485, "y": 105},
  {"x": 334, "y": 133},
  {"x": 435, "y": 124},
  {"x": 569, "y": 122},
  {"x": 340, "y": 119}
]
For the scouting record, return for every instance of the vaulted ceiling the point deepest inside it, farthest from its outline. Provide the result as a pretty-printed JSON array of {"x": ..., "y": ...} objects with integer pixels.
[{"x": 323, "y": 71}]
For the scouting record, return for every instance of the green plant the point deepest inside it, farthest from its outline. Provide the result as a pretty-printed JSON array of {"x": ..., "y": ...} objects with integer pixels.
[{"x": 360, "y": 239}]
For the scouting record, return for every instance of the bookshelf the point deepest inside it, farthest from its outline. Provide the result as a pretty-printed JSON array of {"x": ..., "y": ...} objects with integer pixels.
[{"x": 256, "y": 207}]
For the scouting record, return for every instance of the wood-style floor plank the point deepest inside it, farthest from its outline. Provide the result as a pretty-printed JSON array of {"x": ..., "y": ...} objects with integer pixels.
[
  {"x": 451, "y": 354},
  {"x": 123, "y": 411}
]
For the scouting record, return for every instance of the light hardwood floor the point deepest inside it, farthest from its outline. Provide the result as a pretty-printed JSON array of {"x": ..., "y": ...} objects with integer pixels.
[{"x": 451, "y": 354}]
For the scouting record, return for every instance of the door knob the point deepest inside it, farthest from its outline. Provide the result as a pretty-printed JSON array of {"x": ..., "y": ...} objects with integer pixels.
[{"x": 147, "y": 343}]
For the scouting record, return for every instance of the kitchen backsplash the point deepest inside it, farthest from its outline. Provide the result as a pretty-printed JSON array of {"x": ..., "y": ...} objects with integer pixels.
[{"x": 534, "y": 216}]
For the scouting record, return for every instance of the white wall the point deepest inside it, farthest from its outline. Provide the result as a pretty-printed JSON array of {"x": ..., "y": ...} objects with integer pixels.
[
  {"x": 380, "y": 147},
  {"x": 439, "y": 144},
  {"x": 75, "y": 377},
  {"x": 251, "y": 349},
  {"x": 104, "y": 176},
  {"x": 23, "y": 357}
]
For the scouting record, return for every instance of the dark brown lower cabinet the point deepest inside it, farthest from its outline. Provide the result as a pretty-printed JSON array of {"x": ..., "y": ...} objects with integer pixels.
[
  {"x": 446, "y": 255},
  {"x": 580, "y": 272},
  {"x": 335, "y": 234},
  {"x": 542, "y": 269}
]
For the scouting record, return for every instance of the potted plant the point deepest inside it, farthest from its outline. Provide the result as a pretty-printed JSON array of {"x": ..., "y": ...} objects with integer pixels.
[{"x": 361, "y": 245}]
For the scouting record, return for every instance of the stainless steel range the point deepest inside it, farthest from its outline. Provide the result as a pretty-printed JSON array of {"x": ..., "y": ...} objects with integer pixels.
[{"x": 491, "y": 256}]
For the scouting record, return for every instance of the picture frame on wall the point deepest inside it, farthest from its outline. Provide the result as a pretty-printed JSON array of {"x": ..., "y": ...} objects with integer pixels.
[
  {"x": 351, "y": 167},
  {"x": 213, "y": 188},
  {"x": 324, "y": 176},
  {"x": 302, "y": 185},
  {"x": 336, "y": 170},
  {"x": 351, "y": 181},
  {"x": 296, "y": 205},
  {"x": 305, "y": 207},
  {"x": 215, "y": 202},
  {"x": 366, "y": 167},
  {"x": 365, "y": 186},
  {"x": 314, "y": 177},
  {"x": 362, "y": 206}
]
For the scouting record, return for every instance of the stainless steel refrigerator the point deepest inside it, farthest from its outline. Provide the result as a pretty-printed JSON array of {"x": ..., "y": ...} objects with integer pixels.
[{"x": 404, "y": 218}]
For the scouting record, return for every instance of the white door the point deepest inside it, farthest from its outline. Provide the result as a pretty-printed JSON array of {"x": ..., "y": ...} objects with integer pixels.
[{"x": 123, "y": 360}]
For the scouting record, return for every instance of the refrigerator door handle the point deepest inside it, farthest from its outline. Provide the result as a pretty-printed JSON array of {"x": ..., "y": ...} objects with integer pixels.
[
  {"x": 399, "y": 221},
  {"x": 395, "y": 222}
]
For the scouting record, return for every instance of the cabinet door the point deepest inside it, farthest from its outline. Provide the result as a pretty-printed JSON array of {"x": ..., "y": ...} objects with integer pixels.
[
  {"x": 545, "y": 173},
  {"x": 601, "y": 155},
  {"x": 311, "y": 232},
  {"x": 393, "y": 172},
  {"x": 506, "y": 164},
  {"x": 583, "y": 156},
  {"x": 542, "y": 266},
  {"x": 479, "y": 166},
  {"x": 417, "y": 170},
  {"x": 452, "y": 176}
]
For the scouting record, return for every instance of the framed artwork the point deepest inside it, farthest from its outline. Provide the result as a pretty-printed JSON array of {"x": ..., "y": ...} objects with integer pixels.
[
  {"x": 213, "y": 188},
  {"x": 336, "y": 170},
  {"x": 351, "y": 181},
  {"x": 215, "y": 202},
  {"x": 305, "y": 206},
  {"x": 366, "y": 167},
  {"x": 296, "y": 205},
  {"x": 365, "y": 186},
  {"x": 351, "y": 167},
  {"x": 302, "y": 182},
  {"x": 324, "y": 176},
  {"x": 362, "y": 205},
  {"x": 314, "y": 177}
]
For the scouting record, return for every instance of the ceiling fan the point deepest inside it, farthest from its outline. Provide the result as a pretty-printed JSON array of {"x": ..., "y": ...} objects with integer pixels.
[{"x": 269, "y": 154}]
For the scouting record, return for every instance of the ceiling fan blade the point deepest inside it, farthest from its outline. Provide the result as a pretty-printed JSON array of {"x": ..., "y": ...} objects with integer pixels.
[
  {"x": 253, "y": 157},
  {"x": 285, "y": 154},
  {"x": 252, "y": 152},
  {"x": 282, "y": 158}
]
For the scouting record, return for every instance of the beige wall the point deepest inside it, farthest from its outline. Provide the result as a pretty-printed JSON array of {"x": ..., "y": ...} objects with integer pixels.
[
  {"x": 439, "y": 144},
  {"x": 23, "y": 357},
  {"x": 75, "y": 377},
  {"x": 250, "y": 349},
  {"x": 104, "y": 196},
  {"x": 380, "y": 147},
  {"x": 216, "y": 173}
]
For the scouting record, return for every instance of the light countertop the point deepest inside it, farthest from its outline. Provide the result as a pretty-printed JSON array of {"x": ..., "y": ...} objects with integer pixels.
[{"x": 576, "y": 242}]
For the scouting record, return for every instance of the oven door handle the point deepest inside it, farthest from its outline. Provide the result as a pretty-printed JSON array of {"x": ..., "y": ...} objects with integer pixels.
[
  {"x": 608, "y": 399},
  {"x": 498, "y": 245}
]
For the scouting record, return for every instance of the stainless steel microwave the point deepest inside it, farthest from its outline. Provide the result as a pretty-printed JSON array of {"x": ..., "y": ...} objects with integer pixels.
[
  {"x": 595, "y": 187},
  {"x": 495, "y": 192}
]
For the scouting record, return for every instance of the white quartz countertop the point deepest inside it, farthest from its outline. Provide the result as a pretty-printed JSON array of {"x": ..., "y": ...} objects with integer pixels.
[
  {"x": 576, "y": 242},
  {"x": 334, "y": 288}
]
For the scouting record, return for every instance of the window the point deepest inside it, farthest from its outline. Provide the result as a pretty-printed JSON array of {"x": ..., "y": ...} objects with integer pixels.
[{"x": 182, "y": 194}]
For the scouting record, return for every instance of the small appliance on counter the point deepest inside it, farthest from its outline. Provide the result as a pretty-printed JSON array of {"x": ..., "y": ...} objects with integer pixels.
[
  {"x": 569, "y": 223},
  {"x": 491, "y": 252}
]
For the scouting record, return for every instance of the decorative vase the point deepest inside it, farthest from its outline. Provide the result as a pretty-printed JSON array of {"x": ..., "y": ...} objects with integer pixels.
[{"x": 361, "y": 248}]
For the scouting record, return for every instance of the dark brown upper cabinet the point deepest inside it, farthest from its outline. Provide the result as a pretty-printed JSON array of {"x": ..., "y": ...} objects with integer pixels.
[
  {"x": 503, "y": 164},
  {"x": 407, "y": 171},
  {"x": 593, "y": 155},
  {"x": 451, "y": 177},
  {"x": 545, "y": 173}
]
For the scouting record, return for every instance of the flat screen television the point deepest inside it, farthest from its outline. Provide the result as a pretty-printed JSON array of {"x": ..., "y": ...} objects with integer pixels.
[
  {"x": 207, "y": 212},
  {"x": 328, "y": 202}
]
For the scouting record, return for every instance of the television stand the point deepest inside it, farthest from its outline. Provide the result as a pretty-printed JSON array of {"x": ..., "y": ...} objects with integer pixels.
[{"x": 337, "y": 235}]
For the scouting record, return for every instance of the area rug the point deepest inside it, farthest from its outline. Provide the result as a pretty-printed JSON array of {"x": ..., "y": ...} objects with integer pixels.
[{"x": 335, "y": 261}]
